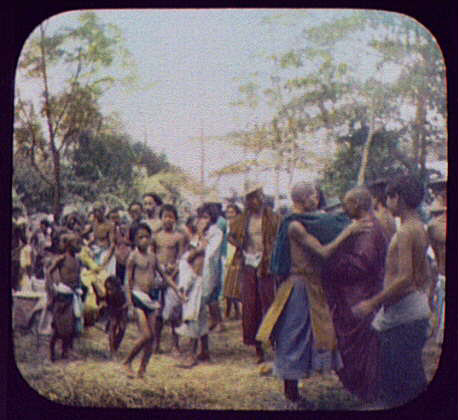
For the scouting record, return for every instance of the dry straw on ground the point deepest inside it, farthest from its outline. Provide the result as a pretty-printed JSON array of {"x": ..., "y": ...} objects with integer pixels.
[{"x": 230, "y": 381}]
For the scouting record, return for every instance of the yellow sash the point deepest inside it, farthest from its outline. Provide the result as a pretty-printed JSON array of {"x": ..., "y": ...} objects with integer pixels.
[
  {"x": 322, "y": 326},
  {"x": 274, "y": 312}
]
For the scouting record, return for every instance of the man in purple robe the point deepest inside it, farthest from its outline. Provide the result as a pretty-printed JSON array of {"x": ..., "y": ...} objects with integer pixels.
[{"x": 352, "y": 274}]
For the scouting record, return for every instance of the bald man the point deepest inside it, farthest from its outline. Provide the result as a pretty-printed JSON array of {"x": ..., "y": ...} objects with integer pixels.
[
  {"x": 299, "y": 319},
  {"x": 352, "y": 274}
]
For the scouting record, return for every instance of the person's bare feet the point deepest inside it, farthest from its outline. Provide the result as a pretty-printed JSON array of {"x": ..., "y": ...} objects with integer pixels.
[
  {"x": 203, "y": 357},
  {"x": 221, "y": 327},
  {"x": 128, "y": 368},
  {"x": 158, "y": 350},
  {"x": 188, "y": 363},
  {"x": 175, "y": 353},
  {"x": 141, "y": 373}
]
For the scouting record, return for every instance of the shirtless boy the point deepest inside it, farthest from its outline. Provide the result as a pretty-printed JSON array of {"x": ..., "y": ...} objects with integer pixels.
[
  {"x": 136, "y": 216},
  {"x": 403, "y": 310},
  {"x": 66, "y": 321},
  {"x": 103, "y": 244},
  {"x": 151, "y": 205},
  {"x": 122, "y": 243},
  {"x": 115, "y": 306},
  {"x": 168, "y": 245},
  {"x": 143, "y": 294}
]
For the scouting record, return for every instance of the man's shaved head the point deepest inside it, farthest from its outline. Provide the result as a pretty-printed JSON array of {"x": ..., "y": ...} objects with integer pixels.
[
  {"x": 301, "y": 191},
  {"x": 360, "y": 198},
  {"x": 306, "y": 195}
]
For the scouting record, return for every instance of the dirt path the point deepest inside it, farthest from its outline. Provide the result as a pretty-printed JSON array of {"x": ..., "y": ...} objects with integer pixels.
[{"x": 230, "y": 381}]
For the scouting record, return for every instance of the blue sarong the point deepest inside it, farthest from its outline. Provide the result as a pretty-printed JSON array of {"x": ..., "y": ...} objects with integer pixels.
[{"x": 296, "y": 356}]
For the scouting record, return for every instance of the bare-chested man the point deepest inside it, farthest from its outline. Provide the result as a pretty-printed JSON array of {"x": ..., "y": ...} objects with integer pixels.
[
  {"x": 253, "y": 234},
  {"x": 136, "y": 216},
  {"x": 143, "y": 294},
  {"x": 386, "y": 219},
  {"x": 299, "y": 321},
  {"x": 168, "y": 245},
  {"x": 103, "y": 243},
  {"x": 437, "y": 233},
  {"x": 403, "y": 317},
  {"x": 151, "y": 205}
]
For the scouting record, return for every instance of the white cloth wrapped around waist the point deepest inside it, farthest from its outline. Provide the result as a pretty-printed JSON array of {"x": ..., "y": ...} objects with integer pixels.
[
  {"x": 77, "y": 293},
  {"x": 440, "y": 282},
  {"x": 145, "y": 299},
  {"x": 99, "y": 253},
  {"x": 252, "y": 260},
  {"x": 192, "y": 284},
  {"x": 411, "y": 307}
]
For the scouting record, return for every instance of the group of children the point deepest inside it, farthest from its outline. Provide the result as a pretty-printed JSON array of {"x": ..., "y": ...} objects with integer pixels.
[{"x": 150, "y": 269}]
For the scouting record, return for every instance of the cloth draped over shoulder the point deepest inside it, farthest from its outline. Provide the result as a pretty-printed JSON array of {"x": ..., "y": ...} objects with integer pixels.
[
  {"x": 212, "y": 269},
  {"x": 354, "y": 273},
  {"x": 238, "y": 231},
  {"x": 325, "y": 227}
]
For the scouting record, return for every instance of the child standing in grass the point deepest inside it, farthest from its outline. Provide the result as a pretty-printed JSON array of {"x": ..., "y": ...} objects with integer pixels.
[{"x": 143, "y": 294}]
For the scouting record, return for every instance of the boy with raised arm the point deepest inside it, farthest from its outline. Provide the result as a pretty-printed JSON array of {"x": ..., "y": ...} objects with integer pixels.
[{"x": 143, "y": 294}]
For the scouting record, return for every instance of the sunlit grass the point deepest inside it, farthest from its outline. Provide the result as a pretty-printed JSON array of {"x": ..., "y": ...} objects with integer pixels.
[{"x": 230, "y": 381}]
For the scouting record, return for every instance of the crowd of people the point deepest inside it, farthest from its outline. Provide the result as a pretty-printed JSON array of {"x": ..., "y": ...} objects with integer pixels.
[{"x": 356, "y": 287}]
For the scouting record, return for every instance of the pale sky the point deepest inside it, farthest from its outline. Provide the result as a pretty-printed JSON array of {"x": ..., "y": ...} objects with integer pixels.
[{"x": 190, "y": 58}]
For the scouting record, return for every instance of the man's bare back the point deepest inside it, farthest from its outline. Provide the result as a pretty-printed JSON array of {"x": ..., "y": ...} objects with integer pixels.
[{"x": 302, "y": 260}]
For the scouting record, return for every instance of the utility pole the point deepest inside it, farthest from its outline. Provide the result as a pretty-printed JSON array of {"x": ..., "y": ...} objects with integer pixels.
[{"x": 202, "y": 160}]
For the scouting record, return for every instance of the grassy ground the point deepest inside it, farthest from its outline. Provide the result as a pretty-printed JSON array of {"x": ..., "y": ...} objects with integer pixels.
[{"x": 230, "y": 381}]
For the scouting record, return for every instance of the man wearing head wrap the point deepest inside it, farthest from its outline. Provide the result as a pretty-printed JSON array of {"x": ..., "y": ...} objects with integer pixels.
[{"x": 253, "y": 234}]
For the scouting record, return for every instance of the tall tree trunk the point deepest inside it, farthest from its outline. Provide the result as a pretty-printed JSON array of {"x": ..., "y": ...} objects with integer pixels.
[
  {"x": 277, "y": 184},
  {"x": 57, "y": 190},
  {"x": 367, "y": 145},
  {"x": 57, "y": 193},
  {"x": 421, "y": 134}
]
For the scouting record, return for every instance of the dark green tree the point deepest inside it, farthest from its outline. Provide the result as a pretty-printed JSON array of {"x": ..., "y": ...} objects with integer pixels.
[{"x": 71, "y": 67}]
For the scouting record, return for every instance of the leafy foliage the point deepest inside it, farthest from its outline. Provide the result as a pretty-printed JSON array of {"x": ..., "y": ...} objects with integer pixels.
[
  {"x": 386, "y": 120},
  {"x": 70, "y": 64}
]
